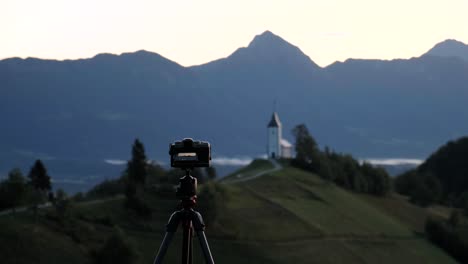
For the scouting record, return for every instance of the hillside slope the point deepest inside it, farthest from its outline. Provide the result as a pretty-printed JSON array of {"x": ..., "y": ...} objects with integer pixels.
[{"x": 289, "y": 216}]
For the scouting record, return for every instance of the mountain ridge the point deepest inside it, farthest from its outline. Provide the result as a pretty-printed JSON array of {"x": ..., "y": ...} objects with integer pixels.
[
  {"x": 94, "y": 108},
  {"x": 258, "y": 39}
]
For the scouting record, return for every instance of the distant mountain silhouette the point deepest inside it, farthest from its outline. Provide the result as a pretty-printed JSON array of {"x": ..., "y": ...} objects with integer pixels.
[
  {"x": 266, "y": 48},
  {"x": 450, "y": 48},
  {"x": 94, "y": 108}
]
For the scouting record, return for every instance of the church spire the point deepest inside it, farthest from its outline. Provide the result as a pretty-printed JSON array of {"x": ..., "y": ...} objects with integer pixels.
[{"x": 274, "y": 122}]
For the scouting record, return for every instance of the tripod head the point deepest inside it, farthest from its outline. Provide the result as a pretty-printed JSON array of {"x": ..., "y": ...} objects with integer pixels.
[{"x": 187, "y": 190}]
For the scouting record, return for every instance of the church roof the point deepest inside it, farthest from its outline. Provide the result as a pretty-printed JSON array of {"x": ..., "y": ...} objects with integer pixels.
[
  {"x": 285, "y": 143},
  {"x": 274, "y": 122}
]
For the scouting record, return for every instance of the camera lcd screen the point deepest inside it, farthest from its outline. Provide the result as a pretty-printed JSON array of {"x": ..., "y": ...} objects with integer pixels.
[{"x": 187, "y": 156}]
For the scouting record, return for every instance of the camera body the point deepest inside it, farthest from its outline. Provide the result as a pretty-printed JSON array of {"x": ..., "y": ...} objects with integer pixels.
[{"x": 189, "y": 153}]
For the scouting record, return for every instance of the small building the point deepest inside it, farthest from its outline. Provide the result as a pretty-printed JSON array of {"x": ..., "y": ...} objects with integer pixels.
[
  {"x": 277, "y": 146},
  {"x": 286, "y": 149}
]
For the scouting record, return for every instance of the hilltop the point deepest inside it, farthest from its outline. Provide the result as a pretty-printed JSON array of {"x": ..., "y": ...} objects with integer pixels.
[{"x": 287, "y": 216}]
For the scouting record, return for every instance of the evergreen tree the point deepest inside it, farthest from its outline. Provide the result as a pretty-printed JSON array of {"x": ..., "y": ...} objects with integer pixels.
[
  {"x": 39, "y": 178},
  {"x": 306, "y": 146},
  {"x": 40, "y": 181},
  {"x": 137, "y": 166},
  {"x": 135, "y": 178},
  {"x": 12, "y": 190}
]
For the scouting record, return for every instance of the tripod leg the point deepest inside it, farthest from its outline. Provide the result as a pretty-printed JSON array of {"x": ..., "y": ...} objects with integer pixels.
[
  {"x": 205, "y": 247},
  {"x": 191, "y": 243},
  {"x": 164, "y": 246},
  {"x": 186, "y": 242},
  {"x": 171, "y": 228},
  {"x": 199, "y": 227}
]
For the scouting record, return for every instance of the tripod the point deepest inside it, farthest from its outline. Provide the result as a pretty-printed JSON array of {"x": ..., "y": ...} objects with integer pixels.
[{"x": 191, "y": 221}]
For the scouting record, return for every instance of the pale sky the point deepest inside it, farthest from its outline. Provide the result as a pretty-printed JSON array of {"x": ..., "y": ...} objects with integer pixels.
[{"x": 198, "y": 31}]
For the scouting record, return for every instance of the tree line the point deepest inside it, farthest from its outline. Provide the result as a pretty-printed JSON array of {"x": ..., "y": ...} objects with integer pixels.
[
  {"x": 442, "y": 178},
  {"x": 18, "y": 190},
  {"x": 450, "y": 235},
  {"x": 342, "y": 169}
]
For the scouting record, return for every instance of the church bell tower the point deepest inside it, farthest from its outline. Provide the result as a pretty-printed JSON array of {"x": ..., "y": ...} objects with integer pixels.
[{"x": 274, "y": 137}]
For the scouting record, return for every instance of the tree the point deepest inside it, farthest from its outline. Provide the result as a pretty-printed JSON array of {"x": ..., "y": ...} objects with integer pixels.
[
  {"x": 118, "y": 249},
  {"x": 15, "y": 188},
  {"x": 137, "y": 166},
  {"x": 306, "y": 146},
  {"x": 135, "y": 178},
  {"x": 211, "y": 201},
  {"x": 40, "y": 181},
  {"x": 39, "y": 178},
  {"x": 423, "y": 188}
]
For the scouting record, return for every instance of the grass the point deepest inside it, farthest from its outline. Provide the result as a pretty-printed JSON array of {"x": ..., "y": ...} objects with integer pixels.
[
  {"x": 256, "y": 166},
  {"x": 331, "y": 210},
  {"x": 289, "y": 216},
  {"x": 23, "y": 241}
]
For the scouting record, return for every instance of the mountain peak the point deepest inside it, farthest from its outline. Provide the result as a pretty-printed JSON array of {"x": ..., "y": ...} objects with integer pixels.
[
  {"x": 450, "y": 48},
  {"x": 269, "y": 51},
  {"x": 267, "y": 38}
]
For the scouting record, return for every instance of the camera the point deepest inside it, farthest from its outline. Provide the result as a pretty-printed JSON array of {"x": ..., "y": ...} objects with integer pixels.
[{"x": 189, "y": 153}]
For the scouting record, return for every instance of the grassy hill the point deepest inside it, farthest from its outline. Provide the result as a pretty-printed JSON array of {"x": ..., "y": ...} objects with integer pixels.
[{"x": 289, "y": 216}]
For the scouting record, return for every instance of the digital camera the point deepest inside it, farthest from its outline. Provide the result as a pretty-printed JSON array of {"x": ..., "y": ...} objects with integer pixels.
[{"x": 189, "y": 153}]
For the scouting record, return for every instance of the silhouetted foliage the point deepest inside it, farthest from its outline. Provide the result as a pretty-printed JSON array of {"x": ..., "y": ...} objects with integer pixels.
[
  {"x": 13, "y": 190},
  {"x": 341, "y": 169},
  {"x": 118, "y": 249},
  {"x": 40, "y": 181},
  {"x": 39, "y": 178},
  {"x": 448, "y": 238},
  {"x": 78, "y": 197},
  {"x": 155, "y": 174},
  {"x": 107, "y": 188},
  {"x": 135, "y": 178},
  {"x": 306, "y": 147},
  {"x": 441, "y": 178},
  {"x": 137, "y": 166},
  {"x": 210, "y": 201},
  {"x": 139, "y": 205}
]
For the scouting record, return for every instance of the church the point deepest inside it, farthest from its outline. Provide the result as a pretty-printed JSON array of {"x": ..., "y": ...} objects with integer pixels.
[{"x": 277, "y": 146}]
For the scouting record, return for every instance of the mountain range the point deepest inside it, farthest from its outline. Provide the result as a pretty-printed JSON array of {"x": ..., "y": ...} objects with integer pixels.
[{"x": 92, "y": 109}]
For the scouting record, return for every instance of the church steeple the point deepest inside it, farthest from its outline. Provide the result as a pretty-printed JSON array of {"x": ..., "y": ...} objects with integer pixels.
[
  {"x": 274, "y": 122},
  {"x": 274, "y": 137}
]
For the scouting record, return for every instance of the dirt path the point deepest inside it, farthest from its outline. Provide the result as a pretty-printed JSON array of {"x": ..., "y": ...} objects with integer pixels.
[
  {"x": 276, "y": 167},
  {"x": 48, "y": 204}
]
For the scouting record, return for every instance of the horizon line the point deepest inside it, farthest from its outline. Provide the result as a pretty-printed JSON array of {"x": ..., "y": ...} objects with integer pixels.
[{"x": 207, "y": 62}]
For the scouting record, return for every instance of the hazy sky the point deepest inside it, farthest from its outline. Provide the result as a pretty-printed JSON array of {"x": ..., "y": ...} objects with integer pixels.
[{"x": 195, "y": 32}]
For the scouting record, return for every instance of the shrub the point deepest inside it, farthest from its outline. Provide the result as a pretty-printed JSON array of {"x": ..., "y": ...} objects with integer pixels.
[
  {"x": 210, "y": 201},
  {"x": 118, "y": 249}
]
